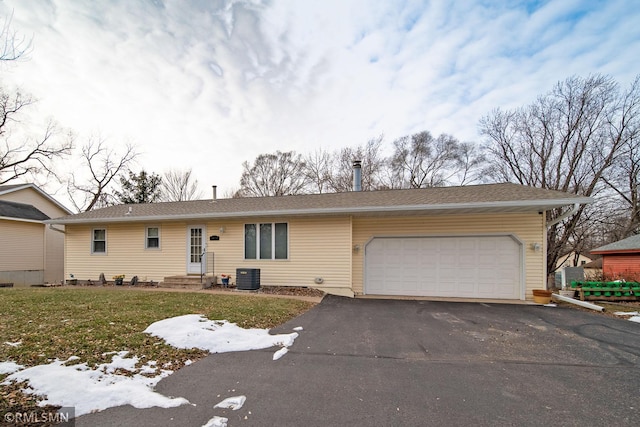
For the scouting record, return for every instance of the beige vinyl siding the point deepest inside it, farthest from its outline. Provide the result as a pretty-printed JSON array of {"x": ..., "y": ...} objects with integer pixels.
[
  {"x": 126, "y": 253},
  {"x": 318, "y": 247},
  {"x": 53, "y": 241},
  {"x": 528, "y": 228},
  {"x": 21, "y": 245},
  {"x": 54, "y": 255}
]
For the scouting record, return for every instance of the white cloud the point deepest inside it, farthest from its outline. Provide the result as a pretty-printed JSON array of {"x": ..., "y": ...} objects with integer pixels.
[{"x": 209, "y": 85}]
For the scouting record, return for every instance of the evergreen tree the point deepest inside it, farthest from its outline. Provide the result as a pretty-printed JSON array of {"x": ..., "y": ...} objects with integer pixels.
[{"x": 140, "y": 188}]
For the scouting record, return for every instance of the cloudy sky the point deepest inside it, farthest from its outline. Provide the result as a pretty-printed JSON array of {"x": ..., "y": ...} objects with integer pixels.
[{"x": 209, "y": 84}]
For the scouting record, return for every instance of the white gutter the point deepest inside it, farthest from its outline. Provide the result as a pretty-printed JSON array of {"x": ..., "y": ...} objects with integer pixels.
[
  {"x": 56, "y": 229},
  {"x": 34, "y": 221},
  {"x": 534, "y": 204},
  {"x": 567, "y": 214}
]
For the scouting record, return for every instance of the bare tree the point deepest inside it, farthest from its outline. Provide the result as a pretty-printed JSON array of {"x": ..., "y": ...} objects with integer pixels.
[
  {"x": 566, "y": 140},
  {"x": 276, "y": 174},
  {"x": 469, "y": 165},
  {"x": 24, "y": 155},
  {"x": 341, "y": 175},
  {"x": 420, "y": 160},
  {"x": 625, "y": 179},
  {"x": 318, "y": 171},
  {"x": 88, "y": 186},
  {"x": 179, "y": 185},
  {"x": 12, "y": 45}
]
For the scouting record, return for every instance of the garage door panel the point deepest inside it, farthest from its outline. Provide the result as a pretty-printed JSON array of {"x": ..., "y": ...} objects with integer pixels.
[{"x": 472, "y": 267}]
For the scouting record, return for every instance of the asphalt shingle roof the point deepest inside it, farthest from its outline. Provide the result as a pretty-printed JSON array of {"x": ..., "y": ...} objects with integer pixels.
[
  {"x": 490, "y": 197},
  {"x": 21, "y": 211},
  {"x": 8, "y": 187},
  {"x": 628, "y": 244}
]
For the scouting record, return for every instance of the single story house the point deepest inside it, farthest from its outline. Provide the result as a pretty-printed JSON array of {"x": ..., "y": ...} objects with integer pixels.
[
  {"x": 481, "y": 241},
  {"x": 572, "y": 259},
  {"x": 31, "y": 253},
  {"x": 621, "y": 259}
]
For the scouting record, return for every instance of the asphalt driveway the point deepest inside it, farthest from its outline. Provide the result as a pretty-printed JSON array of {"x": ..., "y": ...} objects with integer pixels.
[{"x": 393, "y": 363}]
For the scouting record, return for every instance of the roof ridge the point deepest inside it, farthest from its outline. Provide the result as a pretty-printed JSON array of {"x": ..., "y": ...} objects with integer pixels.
[{"x": 504, "y": 197}]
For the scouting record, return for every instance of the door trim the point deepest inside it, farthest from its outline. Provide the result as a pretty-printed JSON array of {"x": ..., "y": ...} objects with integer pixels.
[{"x": 196, "y": 267}]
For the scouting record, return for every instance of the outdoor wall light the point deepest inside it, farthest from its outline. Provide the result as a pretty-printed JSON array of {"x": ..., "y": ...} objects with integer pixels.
[
  {"x": 536, "y": 247},
  {"x": 221, "y": 230},
  {"x": 356, "y": 248}
]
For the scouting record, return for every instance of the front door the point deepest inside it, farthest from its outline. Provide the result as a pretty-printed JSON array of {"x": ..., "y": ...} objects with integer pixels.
[{"x": 196, "y": 247}]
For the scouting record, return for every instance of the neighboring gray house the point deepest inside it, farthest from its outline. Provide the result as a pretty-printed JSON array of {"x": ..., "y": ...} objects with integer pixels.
[{"x": 31, "y": 252}]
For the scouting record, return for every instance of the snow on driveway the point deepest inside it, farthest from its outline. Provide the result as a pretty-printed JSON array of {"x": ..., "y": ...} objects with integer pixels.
[{"x": 95, "y": 389}]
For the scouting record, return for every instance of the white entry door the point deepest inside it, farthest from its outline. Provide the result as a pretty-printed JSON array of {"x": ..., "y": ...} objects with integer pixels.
[{"x": 196, "y": 247}]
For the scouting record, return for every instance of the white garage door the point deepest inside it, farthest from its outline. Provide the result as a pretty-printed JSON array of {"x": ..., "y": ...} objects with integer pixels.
[{"x": 464, "y": 267}]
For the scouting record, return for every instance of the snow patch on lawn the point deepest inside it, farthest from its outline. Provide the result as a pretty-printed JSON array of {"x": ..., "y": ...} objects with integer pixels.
[
  {"x": 215, "y": 336},
  {"x": 91, "y": 390},
  {"x": 9, "y": 367},
  {"x": 635, "y": 316},
  {"x": 95, "y": 389},
  {"x": 627, "y": 313}
]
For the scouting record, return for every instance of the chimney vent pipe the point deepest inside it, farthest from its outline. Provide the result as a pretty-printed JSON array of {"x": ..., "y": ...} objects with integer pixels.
[
  {"x": 357, "y": 175},
  {"x": 215, "y": 192}
]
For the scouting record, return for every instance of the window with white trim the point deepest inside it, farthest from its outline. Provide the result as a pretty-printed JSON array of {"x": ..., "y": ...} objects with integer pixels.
[
  {"x": 266, "y": 240},
  {"x": 99, "y": 241},
  {"x": 152, "y": 238}
]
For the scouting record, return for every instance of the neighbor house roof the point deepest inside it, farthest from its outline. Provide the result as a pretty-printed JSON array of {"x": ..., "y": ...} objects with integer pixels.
[
  {"x": 593, "y": 264},
  {"x": 20, "y": 211},
  {"x": 439, "y": 200},
  {"x": 630, "y": 244},
  {"x": 10, "y": 188}
]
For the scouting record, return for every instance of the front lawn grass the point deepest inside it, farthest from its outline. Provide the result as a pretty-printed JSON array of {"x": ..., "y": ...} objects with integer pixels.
[{"x": 59, "y": 323}]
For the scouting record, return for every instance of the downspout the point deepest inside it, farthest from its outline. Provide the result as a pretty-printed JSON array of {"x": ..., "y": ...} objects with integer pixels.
[
  {"x": 567, "y": 214},
  {"x": 577, "y": 302}
]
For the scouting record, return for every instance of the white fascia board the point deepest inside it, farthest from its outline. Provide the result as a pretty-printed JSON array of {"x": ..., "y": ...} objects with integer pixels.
[
  {"x": 18, "y": 188},
  {"x": 534, "y": 204},
  {"x": 41, "y": 192}
]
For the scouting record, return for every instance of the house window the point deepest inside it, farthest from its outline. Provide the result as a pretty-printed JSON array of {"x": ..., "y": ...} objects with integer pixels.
[
  {"x": 99, "y": 241},
  {"x": 266, "y": 241},
  {"x": 152, "y": 238}
]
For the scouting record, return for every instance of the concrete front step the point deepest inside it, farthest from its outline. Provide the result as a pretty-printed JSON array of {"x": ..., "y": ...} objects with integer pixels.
[{"x": 194, "y": 282}]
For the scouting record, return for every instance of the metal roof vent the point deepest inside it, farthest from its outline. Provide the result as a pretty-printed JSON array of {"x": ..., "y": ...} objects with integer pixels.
[{"x": 357, "y": 175}]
